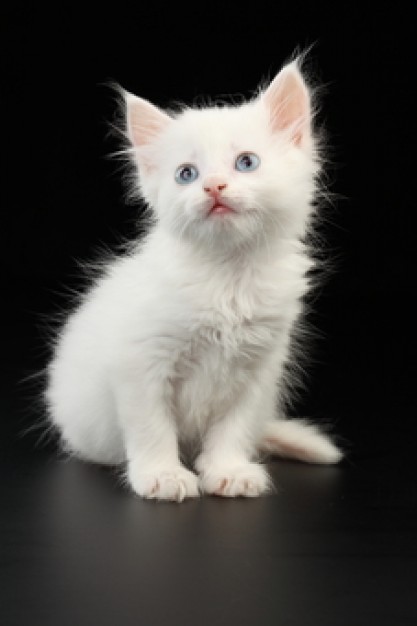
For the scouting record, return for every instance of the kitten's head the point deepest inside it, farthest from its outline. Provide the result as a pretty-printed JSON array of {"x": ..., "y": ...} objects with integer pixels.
[{"x": 229, "y": 175}]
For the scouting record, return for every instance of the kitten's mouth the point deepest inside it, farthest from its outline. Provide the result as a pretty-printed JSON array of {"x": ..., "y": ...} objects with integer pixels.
[{"x": 220, "y": 208}]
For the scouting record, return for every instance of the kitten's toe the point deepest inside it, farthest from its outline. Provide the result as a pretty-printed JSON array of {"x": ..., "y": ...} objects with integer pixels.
[
  {"x": 249, "y": 480},
  {"x": 173, "y": 484}
]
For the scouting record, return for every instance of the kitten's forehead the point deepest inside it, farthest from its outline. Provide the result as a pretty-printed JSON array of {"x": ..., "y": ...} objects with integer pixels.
[
  {"x": 217, "y": 127},
  {"x": 222, "y": 115}
]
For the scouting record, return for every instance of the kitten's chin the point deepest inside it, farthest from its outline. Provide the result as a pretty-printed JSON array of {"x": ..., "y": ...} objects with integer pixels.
[{"x": 221, "y": 224}]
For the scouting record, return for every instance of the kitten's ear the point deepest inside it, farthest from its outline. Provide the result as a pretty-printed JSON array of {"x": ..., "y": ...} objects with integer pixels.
[
  {"x": 288, "y": 100},
  {"x": 144, "y": 121}
]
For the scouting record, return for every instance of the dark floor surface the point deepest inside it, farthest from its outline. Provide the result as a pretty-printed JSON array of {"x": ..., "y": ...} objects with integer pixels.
[{"x": 333, "y": 546}]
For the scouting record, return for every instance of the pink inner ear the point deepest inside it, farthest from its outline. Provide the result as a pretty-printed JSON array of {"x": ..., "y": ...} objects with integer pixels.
[
  {"x": 144, "y": 120},
  {"x": 289, "y": 102}
]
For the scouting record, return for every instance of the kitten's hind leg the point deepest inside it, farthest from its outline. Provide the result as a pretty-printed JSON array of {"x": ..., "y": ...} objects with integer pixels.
[
  {"x": 298, "y": 439},
  {"x": 81, "y": 410}
]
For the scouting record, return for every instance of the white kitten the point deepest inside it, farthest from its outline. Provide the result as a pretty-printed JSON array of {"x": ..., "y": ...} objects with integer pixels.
[{"x": 185, "y": 339}]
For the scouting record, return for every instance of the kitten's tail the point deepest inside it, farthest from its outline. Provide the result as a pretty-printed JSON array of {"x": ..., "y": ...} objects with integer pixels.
[{"x": 299, "y": 439}]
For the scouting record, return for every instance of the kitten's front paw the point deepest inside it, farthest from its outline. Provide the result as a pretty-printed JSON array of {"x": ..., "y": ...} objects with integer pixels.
[
  {"x": 176, "y": 483},
  {"x": 249, "y": 480}
]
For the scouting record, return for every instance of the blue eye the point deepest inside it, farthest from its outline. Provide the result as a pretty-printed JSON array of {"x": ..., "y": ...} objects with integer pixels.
[
  {"x": 186, "y": 174},
  {"x": 247, "y": 162}
]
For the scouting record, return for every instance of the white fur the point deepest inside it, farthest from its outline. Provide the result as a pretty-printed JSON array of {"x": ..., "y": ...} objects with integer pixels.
[{"x": 184, "y": 340}]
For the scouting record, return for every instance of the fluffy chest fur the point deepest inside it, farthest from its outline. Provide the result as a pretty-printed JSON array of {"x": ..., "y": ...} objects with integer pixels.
[
  {"x": 214, "y": 367},
  {"x": 226, "y": 323}
]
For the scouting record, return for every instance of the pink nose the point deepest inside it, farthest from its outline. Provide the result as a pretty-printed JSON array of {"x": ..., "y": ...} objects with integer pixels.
[{"x": 214, "y": 185}]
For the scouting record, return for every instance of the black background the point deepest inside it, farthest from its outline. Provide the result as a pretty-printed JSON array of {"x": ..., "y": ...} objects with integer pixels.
[
  {"x": 334, "y": 545},
  {"x": 65, "y": 197}
]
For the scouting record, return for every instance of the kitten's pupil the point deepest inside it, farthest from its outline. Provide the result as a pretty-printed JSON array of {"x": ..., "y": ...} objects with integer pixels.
[{"x": 246, "y": 161}]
